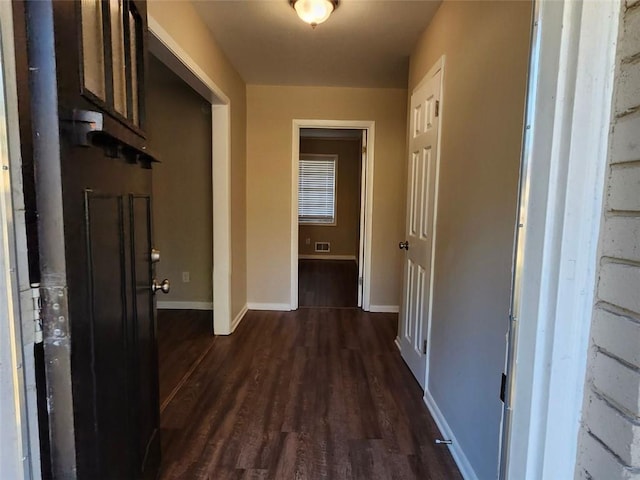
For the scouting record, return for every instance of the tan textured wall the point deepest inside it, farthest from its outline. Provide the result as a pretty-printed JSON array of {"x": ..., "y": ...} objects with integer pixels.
[
  {"x": 486, "y": 46},
  {"x": 344, "y": 236},
  {"x": 179, "y": 129},
  {"x": 181, "y": 21},
  {"x": 609, "y": 443},
  {"x": 271, "y": 110}
]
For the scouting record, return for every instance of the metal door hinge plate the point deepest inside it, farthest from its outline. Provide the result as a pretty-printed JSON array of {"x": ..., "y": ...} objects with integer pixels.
[{"x": 55, "y": 315}]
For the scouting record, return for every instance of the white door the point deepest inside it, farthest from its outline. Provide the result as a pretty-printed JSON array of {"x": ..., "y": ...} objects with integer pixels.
[{"x": 418, "y": 244}]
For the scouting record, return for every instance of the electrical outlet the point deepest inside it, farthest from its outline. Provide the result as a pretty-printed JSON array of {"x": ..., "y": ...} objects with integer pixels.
[
  {"x": 308, "y": 241},
  {"x": 185, "y": 277}
]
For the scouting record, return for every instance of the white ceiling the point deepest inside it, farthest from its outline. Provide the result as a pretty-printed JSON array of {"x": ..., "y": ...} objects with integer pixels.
[{"x": 365, "y": 43}]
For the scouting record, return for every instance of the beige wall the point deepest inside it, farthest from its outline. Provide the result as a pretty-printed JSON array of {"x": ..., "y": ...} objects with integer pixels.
[
  {"x": 486, "y": 46},
  {"x": 179, "y": 129},
  {"x": 270, "y": 112},
  {"x": 181, "y": 21},
  {"x": 344, "y": 235}
]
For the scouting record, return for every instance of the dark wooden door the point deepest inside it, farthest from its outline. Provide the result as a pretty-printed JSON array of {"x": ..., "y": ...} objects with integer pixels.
[{"x": 87, "y": 106}]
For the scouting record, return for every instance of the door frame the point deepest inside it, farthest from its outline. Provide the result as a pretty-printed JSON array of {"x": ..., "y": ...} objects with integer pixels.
[
  {"x": 167, "y": 50},
  {"x": 366, "y": 201},
  {"x": 20, "y": 455},
  {"x": 569, "y": 99}
]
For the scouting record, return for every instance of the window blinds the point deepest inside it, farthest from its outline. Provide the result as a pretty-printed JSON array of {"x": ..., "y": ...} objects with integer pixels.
[{"x": 317, "y": 190}]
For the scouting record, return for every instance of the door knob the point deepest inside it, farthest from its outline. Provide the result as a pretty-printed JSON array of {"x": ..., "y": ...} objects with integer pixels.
[
  {"x": 164, "y": 287},
  {"x": 403, "y": 245},
  {"x": 155, "y": 255}
]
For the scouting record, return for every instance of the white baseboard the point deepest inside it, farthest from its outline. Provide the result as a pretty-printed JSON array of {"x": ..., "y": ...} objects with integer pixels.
[
  {"x": 384, "y": 308},
  {"x": 162, "y": 305},
  {"x": 328, "y": 257},
  {"x": 397, "y": 342},
  {"x": 456, "y": 452},
  {"x": 238, "y": 319},
  {"x": 276, "y": 307}
]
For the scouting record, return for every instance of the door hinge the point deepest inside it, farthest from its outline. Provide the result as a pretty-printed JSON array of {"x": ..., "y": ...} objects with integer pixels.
[
  {"x": 437, "y": 108},
  {"x": 37, "y": 312},
  {"x": 360, "y": 281},
  {"x": 424, "y": 347},
  {"x": 503, "y": 387},
  {"x": 364, "y": 150}
]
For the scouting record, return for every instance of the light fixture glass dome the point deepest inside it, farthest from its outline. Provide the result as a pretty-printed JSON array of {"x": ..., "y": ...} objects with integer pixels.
[{"x": 314, "y": 12}]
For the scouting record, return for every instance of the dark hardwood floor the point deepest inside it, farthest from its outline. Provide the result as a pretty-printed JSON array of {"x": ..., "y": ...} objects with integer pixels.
[
  {"x": 312, "y": 394},
  {"x": 184, "y": 336},
  {"x": 327, "y": 283}
]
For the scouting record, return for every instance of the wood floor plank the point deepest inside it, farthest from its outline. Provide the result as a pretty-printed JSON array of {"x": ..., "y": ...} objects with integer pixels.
[{"x": 319, "y": 393}]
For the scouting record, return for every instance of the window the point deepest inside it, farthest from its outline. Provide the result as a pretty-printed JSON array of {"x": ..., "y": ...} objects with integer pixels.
[
  {"x": 317, "y": 189},
  {"x": 112, "y": 63}
]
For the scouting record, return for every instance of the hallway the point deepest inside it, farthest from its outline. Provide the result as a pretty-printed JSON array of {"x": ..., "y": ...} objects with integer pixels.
[{"x": 316, "y": 393}]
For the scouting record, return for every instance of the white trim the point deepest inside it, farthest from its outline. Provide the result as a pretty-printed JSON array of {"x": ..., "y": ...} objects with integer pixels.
[
  {"x": 562, "y": 190},
  {"x": 327, "y": 257},
  {"x": 236, "y": 321},
  {"x": 274, "y": 307},
  {"x": 171, "y": 305},
  {"x": 384, "y": 308},
  {"x": 369, "y": 126},
  {"x": 456, "y": 452},
  {"x": 397, "y": 342},
  {"x": 180, "y": 62},
  {"x": 13, "y": 434},
  {"x": 221, "y": 172},
  {"x": 177, "y": 59},
  {"x": 363, "y": 215}
]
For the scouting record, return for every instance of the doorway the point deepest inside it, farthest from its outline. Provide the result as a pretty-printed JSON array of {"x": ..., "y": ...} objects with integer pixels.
[
  {"x": 165, "y": 48},
  {"x": 179, "y": 132},
  {"x": 311, "y": 242},
  {"x": 329, "y": 211}
]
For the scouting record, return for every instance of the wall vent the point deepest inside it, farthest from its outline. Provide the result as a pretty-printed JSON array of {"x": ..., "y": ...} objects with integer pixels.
[{"x": 323, "y": 247}]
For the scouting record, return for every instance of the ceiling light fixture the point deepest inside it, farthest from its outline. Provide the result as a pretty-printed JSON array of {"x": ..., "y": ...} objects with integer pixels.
[{"x": 314, "y": 12}]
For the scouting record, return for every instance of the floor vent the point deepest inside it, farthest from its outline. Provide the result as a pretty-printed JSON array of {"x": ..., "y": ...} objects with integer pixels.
[{"x": 323, "y": 247}]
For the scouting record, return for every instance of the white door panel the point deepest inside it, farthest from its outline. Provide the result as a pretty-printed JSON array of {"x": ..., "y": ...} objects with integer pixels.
[{"x": 423, "y": 154}]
